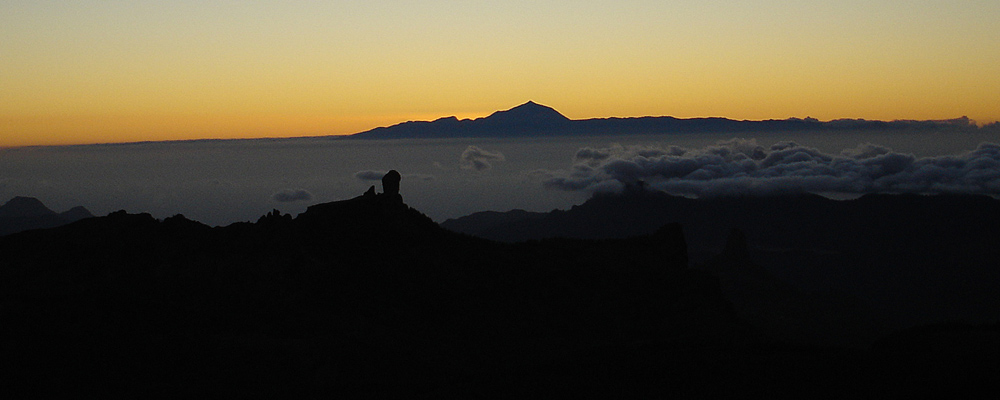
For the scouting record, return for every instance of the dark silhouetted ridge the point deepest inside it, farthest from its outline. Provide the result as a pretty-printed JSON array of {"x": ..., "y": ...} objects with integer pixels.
[
  {"x": 368, "y": 298},
  {"x": 813, "y": 243},
  {"x": 364, "y": 297},
  {"x": 76, "y": 213},
  {"x": 532, "y": 119},
  {"x": 26, "y": 213},
  {"x": 24, "y": 207},
  {"x": 528, "y": 119}
]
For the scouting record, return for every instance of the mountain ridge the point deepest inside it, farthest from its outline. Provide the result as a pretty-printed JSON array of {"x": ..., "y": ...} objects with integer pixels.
[{"x": 532, "y": 119}]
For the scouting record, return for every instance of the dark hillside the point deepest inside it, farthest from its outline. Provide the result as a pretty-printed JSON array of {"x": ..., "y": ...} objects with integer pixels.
[
  {"x": 368, "y": 298},
  {"x": 363, "y": 297},
  {"x": 916, "y": 259}
]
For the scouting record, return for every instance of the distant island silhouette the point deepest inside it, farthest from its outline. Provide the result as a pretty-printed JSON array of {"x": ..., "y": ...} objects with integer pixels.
[{"x": 532, "y": 120}]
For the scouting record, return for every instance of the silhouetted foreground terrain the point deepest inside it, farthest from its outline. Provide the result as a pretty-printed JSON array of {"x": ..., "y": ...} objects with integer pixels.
[
  {"x": 368, "y": 298},
  {"x": 912, "y": 259}
]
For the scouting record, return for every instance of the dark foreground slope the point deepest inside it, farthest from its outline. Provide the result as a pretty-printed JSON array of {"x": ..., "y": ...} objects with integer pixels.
[
  {"x": 368, "y": 298},
  {"x": 914, "y": 259},
  {"x": 359, "y": 298}
]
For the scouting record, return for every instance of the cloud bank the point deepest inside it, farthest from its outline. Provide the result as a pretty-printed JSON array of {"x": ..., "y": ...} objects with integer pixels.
[
  {"x": 478, "y": 159},
  {"x": 290, "y": 195},
  {"x": 372, "y": 175},
  {"x": 742, "y": 167}
]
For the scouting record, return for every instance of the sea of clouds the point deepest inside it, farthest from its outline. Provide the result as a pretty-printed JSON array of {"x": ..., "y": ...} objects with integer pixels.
[
  {"x": 224, "y": 181},
  {"x": 744, "y": 167}
]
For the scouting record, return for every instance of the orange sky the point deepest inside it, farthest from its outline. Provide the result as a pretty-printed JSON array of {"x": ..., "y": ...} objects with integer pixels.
[{"x": 96, "y": 71}]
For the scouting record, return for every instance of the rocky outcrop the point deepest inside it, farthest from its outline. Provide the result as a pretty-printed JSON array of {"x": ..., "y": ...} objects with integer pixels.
[
  {"x": 371, "y": 215},
  {"x": 274, "y": 217},
  {"x": 390, "y": 183}
]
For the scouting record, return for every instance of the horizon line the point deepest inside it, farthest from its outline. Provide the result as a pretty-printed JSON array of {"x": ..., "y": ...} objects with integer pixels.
[{"x": 972, "y": 122}]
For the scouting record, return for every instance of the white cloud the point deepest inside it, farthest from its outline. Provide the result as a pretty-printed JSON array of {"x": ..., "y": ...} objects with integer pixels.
[
  {"x": 290, "y": 195},
  {"x": 370, "y": 175},
  {"x": 740, "y": 167},
  {"x": 478, "y": 159}
]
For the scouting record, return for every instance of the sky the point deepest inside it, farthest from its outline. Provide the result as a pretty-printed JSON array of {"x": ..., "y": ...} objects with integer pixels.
[{"x": 88, "y": 71}]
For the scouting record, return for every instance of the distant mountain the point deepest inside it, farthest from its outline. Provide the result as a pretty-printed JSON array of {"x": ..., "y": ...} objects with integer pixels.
[
  {"x": 529, "y": 115},
  {"x": 24, "y": 213},
  {"x": 527, "y": 119},
  {"x": 24, "y": 207},
  {"x": 533, "y": 119},
  {"x": 76, "y": 213}
]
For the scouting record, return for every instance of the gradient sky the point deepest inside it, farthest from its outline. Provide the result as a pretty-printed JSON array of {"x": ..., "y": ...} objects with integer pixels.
[{"x": 91, "y": 71}]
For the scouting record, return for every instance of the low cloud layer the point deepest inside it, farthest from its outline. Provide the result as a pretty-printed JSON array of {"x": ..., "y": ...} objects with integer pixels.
[
  {"x": 478, "y": 159},
  {"x": 371, "y": 175},
  {"x": 290, "y": 195},
  {"x": 741, "y": 167}
]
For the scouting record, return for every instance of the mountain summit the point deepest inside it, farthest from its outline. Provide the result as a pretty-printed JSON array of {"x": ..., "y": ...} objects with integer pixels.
[
  {"x": 529, "y": 114},
  {"x": 528, "y": 119},
  {"x": 24, "y": 207}
]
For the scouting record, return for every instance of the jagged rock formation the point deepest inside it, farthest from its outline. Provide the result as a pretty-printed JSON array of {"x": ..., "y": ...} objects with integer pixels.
[
  {"x": 274, "y": 217},
  {"x": 390, "y": 183},
  {"x": 26, "y": 213}
]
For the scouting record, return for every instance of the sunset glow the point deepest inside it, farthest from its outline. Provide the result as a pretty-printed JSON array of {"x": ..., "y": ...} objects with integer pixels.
[{"x": 107, "y": 71}]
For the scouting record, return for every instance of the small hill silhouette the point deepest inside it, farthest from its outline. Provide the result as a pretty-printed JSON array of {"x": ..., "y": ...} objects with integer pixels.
[
  {"x": 25, "y": 213},
  {"x": 24, "y": 207}
]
